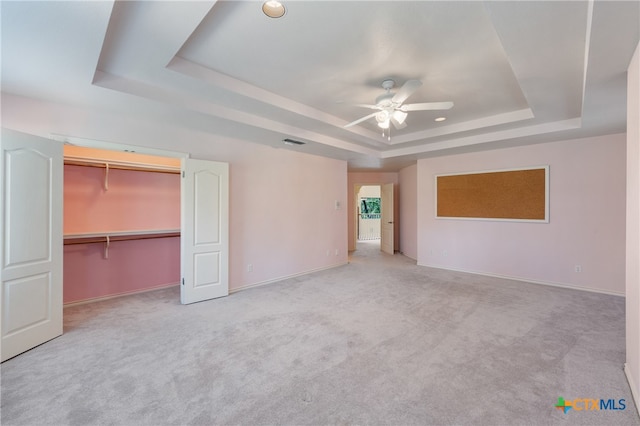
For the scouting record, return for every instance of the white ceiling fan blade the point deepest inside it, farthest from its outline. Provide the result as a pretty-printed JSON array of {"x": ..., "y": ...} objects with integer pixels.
[
  {"x": 427, "y": 106},
  {"x": 366, "y": 117},
  {"x": 397, "y": 124},
  {"x": 367, "y": 106},
  {"x": 406, "y": 90}
]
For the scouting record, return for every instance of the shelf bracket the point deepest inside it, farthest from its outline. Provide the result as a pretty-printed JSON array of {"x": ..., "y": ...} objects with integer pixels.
[
  {"x": 106, "y": 176},
  {"x": 106, "y": 248}
]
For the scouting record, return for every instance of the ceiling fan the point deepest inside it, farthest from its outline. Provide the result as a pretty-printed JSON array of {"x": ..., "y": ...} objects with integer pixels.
[{"x": 390, "y": 108}]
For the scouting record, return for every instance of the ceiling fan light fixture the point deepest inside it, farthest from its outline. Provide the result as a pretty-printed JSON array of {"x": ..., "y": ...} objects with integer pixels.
[
  {"x": 273, "y": 9},
  {"x": 382, "y": 116},
  {"x": 440, "y": 119},
  {"x": 383, "y": 119}
]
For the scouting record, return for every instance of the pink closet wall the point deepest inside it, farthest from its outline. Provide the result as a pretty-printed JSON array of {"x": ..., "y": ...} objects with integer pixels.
[
  {"x": 134, "y": 201},
  {"x": 132, "y": 266}
]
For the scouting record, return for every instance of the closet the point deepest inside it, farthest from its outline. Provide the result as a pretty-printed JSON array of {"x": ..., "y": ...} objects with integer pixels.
[
  {"x": 121, "y": 223},
  {"x": 100, "y": 226}
]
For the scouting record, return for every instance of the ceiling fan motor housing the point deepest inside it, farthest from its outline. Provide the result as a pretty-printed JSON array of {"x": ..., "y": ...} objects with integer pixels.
[{"x": 388, "y": 84}]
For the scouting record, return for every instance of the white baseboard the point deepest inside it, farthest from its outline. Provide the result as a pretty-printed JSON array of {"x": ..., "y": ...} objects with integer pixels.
[
  {"x": 113, "y": 296},
  {"x": 231, "y": 291},
  {"x": 407, "y": 256},
  {"x": 275, "y": 280},
  {"x": 634, "y": 388},
  {"x": 528, "y": 280}
]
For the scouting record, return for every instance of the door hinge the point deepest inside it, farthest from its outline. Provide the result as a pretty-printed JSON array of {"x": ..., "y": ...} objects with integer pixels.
[
  {"x": 183, "y": 281},
  {"x": 183, "y": 173}
]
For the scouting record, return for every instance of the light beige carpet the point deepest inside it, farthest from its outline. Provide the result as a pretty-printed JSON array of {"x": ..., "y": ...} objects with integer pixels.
[{"x": 378, "y": 341}]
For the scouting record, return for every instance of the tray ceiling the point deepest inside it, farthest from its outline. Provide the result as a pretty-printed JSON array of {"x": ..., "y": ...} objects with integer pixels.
[{"x": 517, "y": 72}]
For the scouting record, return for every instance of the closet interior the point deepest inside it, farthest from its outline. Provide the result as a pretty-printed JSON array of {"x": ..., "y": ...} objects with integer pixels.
[{"x": 121, "y": 223}]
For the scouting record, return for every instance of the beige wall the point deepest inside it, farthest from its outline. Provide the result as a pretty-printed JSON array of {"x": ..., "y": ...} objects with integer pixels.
[
  {"x": 274, "y": 193},
  {"x": 586, "y": 226},
  {"x": 632, "y": 366},
  {"x": 408, "y": 188},
  {"x": 371, "y": 191}
]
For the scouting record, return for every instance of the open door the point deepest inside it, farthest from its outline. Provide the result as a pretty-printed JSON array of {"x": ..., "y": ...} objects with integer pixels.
[
  {"x": 31, "y": 248},
  {"x": 205, "y": 230},
  {"x": 386, "y": 217}
]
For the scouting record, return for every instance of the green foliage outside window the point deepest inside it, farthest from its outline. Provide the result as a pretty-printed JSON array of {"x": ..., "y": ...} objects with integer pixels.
[{"x": 370, "y": 205}]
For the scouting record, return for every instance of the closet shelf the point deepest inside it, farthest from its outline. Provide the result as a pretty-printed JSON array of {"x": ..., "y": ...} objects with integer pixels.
[
  {"x": 120, "y": 164},
  {"x": 107, "y": 237}
]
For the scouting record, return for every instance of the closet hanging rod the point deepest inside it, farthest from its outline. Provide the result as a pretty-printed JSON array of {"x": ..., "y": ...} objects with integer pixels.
[
  {"x": 115, "y": 236},
  {"x": 122, "y": 165}
]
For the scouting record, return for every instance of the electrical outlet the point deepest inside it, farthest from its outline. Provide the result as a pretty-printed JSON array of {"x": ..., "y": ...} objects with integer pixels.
[
  {"x": 328, "y": 251},
  {"x": 337, "y": 251},
  {"x": 250, "y": 267},
  {"x": 445, "y": 253},
  {"x": 578, "y": 268}
]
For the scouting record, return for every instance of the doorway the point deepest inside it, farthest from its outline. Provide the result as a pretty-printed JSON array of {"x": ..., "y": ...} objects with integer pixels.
[
  {"x": 121, "y": 223},
  {"x": 374, "y": 227},
  {"x": 179, "y": 208},
  {"x": 368, "y": 214},
  {"x": 34, "y": 293}
]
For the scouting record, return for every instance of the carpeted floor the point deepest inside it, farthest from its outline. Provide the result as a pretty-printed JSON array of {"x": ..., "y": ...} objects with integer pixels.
[{"x": 378, "y": 341}]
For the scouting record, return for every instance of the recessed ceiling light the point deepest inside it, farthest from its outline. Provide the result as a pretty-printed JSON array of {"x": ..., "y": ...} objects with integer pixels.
[
  {"x": 440, "y": 118},
  {"x": 273, "y": 9}
]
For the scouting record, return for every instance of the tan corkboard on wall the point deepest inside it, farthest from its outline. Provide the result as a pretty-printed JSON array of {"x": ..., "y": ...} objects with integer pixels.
[{"x": 508, "y": 194}]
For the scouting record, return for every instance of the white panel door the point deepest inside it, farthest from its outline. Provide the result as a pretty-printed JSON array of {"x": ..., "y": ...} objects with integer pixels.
[
  {"x": 205, "y": 230},
  {"x": 386, "y": 217},
  {"x": 31, "y": 249}
]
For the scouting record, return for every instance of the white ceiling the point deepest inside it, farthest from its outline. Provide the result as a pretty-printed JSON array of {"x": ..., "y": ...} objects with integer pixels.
[{"x": 518, "y": 72}]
